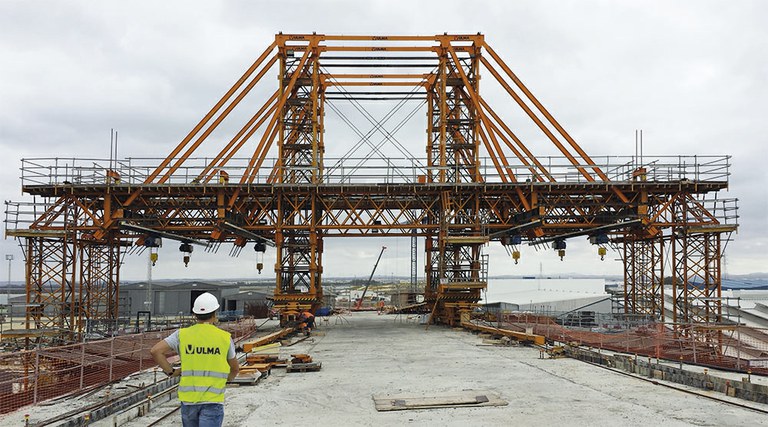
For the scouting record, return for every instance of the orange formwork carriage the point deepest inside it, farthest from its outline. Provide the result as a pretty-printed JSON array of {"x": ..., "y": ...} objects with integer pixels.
[{"x": 477, "y": 183}]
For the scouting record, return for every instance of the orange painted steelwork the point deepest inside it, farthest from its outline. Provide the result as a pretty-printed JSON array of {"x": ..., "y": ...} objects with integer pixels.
[{"x": 479, "y": 183}]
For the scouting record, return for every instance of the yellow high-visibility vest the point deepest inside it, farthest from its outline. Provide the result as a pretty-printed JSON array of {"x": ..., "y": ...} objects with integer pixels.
[{"x": 204, "y": 369}]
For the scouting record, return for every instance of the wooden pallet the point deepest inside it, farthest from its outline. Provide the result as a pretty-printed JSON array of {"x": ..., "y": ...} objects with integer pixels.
[
  {"x": 263, "y": 367},
  {"x": 246, "y": 378},
  {"x": 304, "y": 367},
  {"x": 265, "y": 363},
  {"x": 301, "y": 358},
  {"x": 261, "y": 358}
]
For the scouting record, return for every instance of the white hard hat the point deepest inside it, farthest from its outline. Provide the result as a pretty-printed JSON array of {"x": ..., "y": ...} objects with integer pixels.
[{"x": 205, "y": 303}]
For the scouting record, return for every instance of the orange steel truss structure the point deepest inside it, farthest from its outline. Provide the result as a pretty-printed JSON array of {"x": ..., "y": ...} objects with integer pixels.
[{"x": 479, "y": 183}]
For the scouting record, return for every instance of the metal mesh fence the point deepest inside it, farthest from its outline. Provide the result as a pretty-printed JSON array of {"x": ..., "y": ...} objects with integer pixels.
[
  {"x": 729, "y": 347},
  {"x": 32, "y": 376}
]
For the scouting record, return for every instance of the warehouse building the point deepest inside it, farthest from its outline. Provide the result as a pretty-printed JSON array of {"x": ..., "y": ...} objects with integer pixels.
[{"x": 169, "y": 298}]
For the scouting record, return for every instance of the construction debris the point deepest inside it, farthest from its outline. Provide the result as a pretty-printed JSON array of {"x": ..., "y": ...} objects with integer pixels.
[
  {"x": 556, "y": 352},
  {"x": 523, "y": 337}
]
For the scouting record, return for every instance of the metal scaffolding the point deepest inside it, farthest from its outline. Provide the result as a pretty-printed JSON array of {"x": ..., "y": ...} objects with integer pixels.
[{"x": 480, "y": 183}]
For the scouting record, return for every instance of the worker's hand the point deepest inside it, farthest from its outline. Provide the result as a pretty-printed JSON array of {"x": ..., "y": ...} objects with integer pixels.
[{"x": 176, "y": 372}]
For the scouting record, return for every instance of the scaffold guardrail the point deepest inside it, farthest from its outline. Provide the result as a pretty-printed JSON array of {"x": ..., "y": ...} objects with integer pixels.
[
  {"x": 32, "y": 376},
  {"x": 21, "y": 214},
  {"x": 346, "y": 171}
]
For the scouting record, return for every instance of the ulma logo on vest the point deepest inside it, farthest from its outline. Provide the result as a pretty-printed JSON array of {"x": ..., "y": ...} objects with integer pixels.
[{"x": 202, "y": 350}]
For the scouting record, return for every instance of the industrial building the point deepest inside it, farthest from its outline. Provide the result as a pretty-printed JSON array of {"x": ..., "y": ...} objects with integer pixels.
[
  {"x": 171, "y": 298},
  {"x": 550, "y": 295},
  {"x": 167, "y": 298}
]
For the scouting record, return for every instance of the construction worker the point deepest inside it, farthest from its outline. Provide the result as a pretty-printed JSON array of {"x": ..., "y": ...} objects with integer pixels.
[
  {"x": 208, "y": 361},
  {"x": 307, "y": 320}
]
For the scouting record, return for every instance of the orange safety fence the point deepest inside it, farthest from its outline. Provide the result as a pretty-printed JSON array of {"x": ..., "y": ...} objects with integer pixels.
[
  {"x": 730, "y": 347},
  {"x": 32, "y": 376}
]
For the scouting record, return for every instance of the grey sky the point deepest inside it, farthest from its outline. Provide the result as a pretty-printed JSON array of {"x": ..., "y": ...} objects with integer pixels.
[{"x": 691, "y": 74}]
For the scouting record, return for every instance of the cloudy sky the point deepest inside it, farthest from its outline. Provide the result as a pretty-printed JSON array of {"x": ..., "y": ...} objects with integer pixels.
[{"x": 691, "y": 74}]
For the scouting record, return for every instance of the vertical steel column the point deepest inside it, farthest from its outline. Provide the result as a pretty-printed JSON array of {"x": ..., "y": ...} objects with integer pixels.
[
  {"x": 52, "y": 302},
  {"x": 414, "y": 261},
  {"x": 697, "y": 277},
  {"x": 99, "y": 277},
  {"x": 455, "y": 279},
  {"x": 299, "y": 244},
  {"x": 644, "y": 277}
]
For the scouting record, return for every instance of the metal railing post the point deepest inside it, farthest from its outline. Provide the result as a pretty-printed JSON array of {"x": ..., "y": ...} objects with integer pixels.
[
  {"x": 37, "y": 375},
  {"x": 82, "y": 363},
  {"x": 111, "y": 356},
  {"x": 693, "y": 341},
  {"x": 738, "y": 346}
]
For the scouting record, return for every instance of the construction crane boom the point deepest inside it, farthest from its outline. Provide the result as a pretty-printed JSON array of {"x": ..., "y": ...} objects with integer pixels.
[{"x": 362, "y": 297}]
